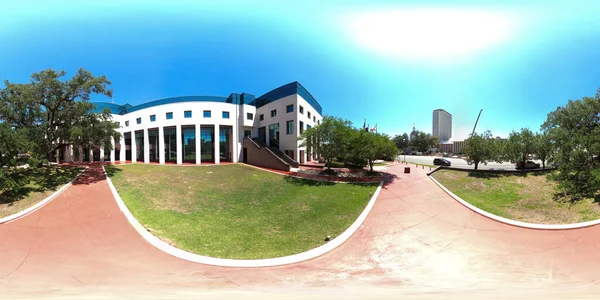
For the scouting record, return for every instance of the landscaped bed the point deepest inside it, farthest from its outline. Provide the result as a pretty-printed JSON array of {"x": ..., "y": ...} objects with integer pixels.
[
  {"x": 236, "y": 211},
  {"x": 39, "y": 183},
  {"x": 527, "y": 197}
]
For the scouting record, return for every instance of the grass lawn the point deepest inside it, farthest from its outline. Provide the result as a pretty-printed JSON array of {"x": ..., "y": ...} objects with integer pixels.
[
  {"x": 236, "y": 211},
  {"x": 521, "y": 197},
  {"x": 38, "y": 184}
]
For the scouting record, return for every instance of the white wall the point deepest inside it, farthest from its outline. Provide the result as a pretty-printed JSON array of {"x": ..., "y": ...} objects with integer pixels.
[
  {"x": 178, "y": 120},
  {"x": 237, "y": 119}
]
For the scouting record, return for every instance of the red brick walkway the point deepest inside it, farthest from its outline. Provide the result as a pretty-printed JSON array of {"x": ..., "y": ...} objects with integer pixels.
[{"x": 416, "y": 238}]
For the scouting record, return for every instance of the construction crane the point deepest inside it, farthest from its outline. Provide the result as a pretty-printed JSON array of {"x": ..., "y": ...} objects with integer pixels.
[{"x": 472, "y": 133}]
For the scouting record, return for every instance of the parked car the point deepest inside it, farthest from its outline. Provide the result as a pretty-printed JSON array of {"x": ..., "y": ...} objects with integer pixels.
[
  {"x": 441, "y": 162},
  {"x": 528, "y": 165}
]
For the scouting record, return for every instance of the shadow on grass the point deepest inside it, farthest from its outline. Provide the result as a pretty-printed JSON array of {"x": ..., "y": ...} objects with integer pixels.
[
  {"x": 32, "y": 180},
  {"x": 112, "y": 170},
  {"x": 304, "y": 181}
]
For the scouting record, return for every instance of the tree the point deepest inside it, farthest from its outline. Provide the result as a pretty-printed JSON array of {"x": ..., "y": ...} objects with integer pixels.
[
  {"x": 520, "y": 145},
  {"x": 371, "y": 146},
  {"x": 543, "y": 147},
  {"x": 575, "y": 133},
  {"x": 12, "y": 144},
  {"x": 329, "y": 139},
  {"x": 423, "y": 141},
  {"x": 480, "y": 148},
  {"x": 58, "y": 113},
  {"x": 402, "y": 141}
]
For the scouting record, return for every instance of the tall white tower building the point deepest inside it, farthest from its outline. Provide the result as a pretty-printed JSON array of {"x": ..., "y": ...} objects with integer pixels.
[{"x": 442, "y": 125}]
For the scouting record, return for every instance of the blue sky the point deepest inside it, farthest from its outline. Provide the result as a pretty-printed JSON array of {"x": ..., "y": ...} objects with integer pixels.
[{"x": 391, "y": 62}]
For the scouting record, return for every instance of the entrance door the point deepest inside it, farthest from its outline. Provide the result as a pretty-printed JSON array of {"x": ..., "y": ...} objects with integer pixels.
[
  {"x": 262, "y": 134},
  {"x": 245, "y": 155},
  {"x": 274, "y": 135},
  {"x": 301, "y": 156}
]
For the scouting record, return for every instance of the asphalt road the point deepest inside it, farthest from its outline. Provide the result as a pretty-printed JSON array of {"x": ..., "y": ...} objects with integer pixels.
[{"x": 456, "y": 162}]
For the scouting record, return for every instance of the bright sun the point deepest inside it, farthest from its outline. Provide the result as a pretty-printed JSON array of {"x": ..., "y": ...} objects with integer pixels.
[{"x": 429, "y": 33}]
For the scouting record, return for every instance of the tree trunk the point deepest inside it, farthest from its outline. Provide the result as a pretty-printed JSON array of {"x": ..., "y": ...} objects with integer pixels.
[
  {"x": 476, "y": 164},
  {"x": 543, "y": 164},
  {"x": 371, "y": 165}
]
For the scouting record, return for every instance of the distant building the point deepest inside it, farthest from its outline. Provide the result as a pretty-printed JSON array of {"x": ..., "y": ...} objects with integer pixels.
[{"x": 442, "y": 125}]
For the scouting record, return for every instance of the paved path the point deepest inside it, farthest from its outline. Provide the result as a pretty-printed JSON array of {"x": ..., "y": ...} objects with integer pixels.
[{"x": 416, "y": 241}]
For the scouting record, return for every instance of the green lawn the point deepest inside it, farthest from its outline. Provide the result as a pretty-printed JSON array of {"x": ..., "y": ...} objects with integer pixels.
[
  {"x": 235, "y": 211},
  {"x": 522, "y": 197},
  {"x": 37, "y": 185}
]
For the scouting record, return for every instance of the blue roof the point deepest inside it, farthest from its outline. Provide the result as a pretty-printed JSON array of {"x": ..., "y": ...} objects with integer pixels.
[
  {"x": 276, "y": 94},
  {"x": 287, "y": 90}
]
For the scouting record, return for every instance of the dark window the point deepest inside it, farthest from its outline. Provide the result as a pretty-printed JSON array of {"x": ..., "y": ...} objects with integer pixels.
[
  {"x": 314, "y": 119},
  {"x": 126, "y": 123},
  {"x": 290, "y": 127},
  {"x": 249, "y": 116},
  {"x": 207, "y": 113},
  {"x": 225, "y": 115},
  {"x": 289, "y": 108},
  {"x": 308, "y": 114},
  {"x": 273, "y": 113},
  {"x": 301, "y": 127},
  {"x": 301, "y": 109},
  {"x": 169, "y": 115},
  {"x": 247, "y": 133},
  {"x": 187, "y": 114},
  {"x": 152, "y": 118},
  {"x": 138, "y": 120},
  {"x": 262, "y": 117}
]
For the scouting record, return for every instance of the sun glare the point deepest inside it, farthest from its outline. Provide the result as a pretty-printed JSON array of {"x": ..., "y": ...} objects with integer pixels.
[{"x": 429, "y": 33}]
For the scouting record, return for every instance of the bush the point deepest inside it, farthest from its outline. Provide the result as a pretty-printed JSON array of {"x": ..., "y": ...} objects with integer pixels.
[{"x": 335, "y": 164}]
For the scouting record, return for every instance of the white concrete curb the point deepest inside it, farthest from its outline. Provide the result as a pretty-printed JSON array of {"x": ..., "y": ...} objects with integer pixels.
[
  {"x": 39, "y": 204},
  {"x": 513, "y": 222},
  {"x": 269, "y": 262}
]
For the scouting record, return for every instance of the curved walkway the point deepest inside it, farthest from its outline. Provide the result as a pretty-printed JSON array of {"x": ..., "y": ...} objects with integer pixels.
[{"x": 417, "y": 240}]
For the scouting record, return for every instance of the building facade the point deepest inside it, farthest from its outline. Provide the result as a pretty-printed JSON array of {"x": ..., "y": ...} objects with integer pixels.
[
  {"x": 207, "y": 129},
  {"x": 442, "y": 125}
]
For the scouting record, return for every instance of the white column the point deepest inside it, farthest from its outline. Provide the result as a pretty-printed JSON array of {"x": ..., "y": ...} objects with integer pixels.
[
  {"x": 161, "y": 145},
  {"x": 233, "y": 139},
  {"x": 216, "y": 141},
  {"x": 122, "y": 151},
  {"x": 179, "y": 148},
  {"x": 133, "y": 148},
  {"x": 91, "y": 151},
  {"x": 102, "y": 154},
  {"x": 113, "y": 151},
  {"x": 197, "y": 139},
  {"x": 146, "y": 146}
]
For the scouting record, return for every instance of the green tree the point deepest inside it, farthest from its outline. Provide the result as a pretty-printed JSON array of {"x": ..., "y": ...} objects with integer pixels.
[
  {"x": 402, "y": 142},
  {"x": 58, "y": 113},
  {"x": 543, "y": 147},
  {"x": 371, "y": 146},
  {"x": 480, "y": 148},
  {"x": 520, "y": 145},
  {"x": 330, "y": 139},
  {"x": 575, "y": 132},
  {"x": 423, "y": 141},
  {"x": 12, "y": 144}
]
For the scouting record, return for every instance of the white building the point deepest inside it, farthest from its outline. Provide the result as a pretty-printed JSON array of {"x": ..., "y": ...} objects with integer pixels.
[
  {"x": 442, "y": 125},
  {"x": 208, "y": 129}
]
